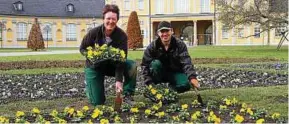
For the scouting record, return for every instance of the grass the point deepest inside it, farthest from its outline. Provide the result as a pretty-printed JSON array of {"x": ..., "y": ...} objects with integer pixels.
[
  {"x": 43, "y": 71},
  {"x": 195, "y": 52},
  {"x": 9, "y": 50},
  {"x": 273, "y": 98}
]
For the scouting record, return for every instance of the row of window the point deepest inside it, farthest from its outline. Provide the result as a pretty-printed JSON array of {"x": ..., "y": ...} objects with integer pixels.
[
  {"x": 257, "y": 31},
  {"x": 181, "y": 6},
  {"x": 71, "y": 32}
]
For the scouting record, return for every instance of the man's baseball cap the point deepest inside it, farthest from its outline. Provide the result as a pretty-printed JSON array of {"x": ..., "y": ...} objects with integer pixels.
[{"x": 164, "y": 25}]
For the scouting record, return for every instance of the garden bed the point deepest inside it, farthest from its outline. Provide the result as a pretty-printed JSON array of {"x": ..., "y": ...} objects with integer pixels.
[{"x": 50, "y": 86}]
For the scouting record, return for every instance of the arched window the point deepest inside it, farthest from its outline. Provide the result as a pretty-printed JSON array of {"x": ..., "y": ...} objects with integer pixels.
[
  {"x": 47, "y": 31},
  {"x": 21, "y": 31},
  {"x": 70, "y": 8},
  {"x": 71, "y": 32}
]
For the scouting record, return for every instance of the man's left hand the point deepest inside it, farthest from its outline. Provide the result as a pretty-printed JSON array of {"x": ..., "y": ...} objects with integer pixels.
[
  {"x": 195, "y": 83},
  {"x": 118, "y": 86}
]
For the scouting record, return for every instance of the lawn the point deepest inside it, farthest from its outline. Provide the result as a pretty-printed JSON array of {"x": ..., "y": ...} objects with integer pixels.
[{"x": 195, "y": 52}]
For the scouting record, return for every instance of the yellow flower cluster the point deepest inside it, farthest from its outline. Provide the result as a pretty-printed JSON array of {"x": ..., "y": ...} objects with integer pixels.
[
  {"x": 239, "y": 118},
  {"x": 98, "y": 53},
  {"x": 195, "y": 116},
  {"x": 213, "y": 118}
]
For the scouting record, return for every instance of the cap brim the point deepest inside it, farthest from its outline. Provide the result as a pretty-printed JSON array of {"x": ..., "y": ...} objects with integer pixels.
[{"x": 164, "y": 28}]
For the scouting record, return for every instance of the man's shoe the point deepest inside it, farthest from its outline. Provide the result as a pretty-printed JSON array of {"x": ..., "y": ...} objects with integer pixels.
[{"x": 128, "y": 99}]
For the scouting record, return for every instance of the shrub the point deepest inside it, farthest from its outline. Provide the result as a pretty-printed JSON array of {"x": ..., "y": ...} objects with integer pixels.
[{"x": 133, "y": 32}]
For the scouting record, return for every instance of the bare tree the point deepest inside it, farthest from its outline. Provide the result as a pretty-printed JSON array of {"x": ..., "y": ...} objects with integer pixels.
[{"x": 268, "y": 14}]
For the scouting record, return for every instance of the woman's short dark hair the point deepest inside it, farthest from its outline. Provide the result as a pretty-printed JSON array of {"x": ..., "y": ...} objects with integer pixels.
[{"x": 110, "y": 8}]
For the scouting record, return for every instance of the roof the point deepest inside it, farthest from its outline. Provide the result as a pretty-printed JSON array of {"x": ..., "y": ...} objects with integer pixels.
[{"x": 53, "y": 8}]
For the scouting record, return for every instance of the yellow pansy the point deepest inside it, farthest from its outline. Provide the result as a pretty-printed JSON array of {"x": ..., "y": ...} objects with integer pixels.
[
  {"x": 185, "y": 106},
  {"x": 103, "y": 47},
  {"x": 66, "y": 109},
  {"x": 117, "y": 119},
  {"x": 187, "y": 122},
  {"x": 223, "y": 107},
  {"x": 244, "y": 105},
  {"x": 155, "y": 107},
  {"x": 161, "y": 114},
  {"x": 227, "y": 101},
  {"x": 54, "y": 113},
  {"x": 90, "y": 121},
  {"x": 217, "y": 120},
  {"x": 159, "y": 96},
  {"x": 122, "y": 54},
  {"x": 70, "y": 111},
  {"x": 85, "y": 108},
  {"x": 96, "y": 45},
  {"x": 134, "y": 110},
  {"x": 147, "y": 112},
  {"x": 195, "y": 102},
  {"x": 89, "y": 48},
  {"x": 260, "y": 121},
  {"x": 176, "y": 118},
  {"x": 20, "y": 113},
  {"x": 89, "y": 54},
  {"x": 234, "y": 101},
  {"x": 242, "y": 110},
  {"x": 96, "y": 113},
  {"x": 62, "y": 121},
  {"x": 249, "y": 111},
  {"x": 79, "y": 113},
  {"x": 150, "y": 87},
  {"x": 153, "y": 91},
  {"x": 194, "y": 117},
  {"x": 275, "y": 115},
  {"x": 104, "y": 121},
  {"x": 239, "y": 118},
  {"x": 198, "y": 113},
  {"x": 166, "y": 91},
  {"x": 47, "y": 122},
  {"x": 36, "y": 110}
]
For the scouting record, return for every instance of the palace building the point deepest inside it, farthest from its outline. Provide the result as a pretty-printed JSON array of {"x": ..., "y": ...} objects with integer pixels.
[{"x": 65, "y": 22}]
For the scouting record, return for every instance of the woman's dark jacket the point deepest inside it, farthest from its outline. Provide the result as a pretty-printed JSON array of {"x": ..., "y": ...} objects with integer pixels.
[{"x": 97, "y": 35}]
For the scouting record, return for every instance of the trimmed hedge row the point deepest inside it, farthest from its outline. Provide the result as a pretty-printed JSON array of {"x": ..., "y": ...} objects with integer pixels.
[{"x": 81, "y": 63}]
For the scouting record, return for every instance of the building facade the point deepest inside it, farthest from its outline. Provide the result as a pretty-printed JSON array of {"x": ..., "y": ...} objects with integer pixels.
[
  {"x": 193, "y": 21},
  {"x": 65, "y": 22}
]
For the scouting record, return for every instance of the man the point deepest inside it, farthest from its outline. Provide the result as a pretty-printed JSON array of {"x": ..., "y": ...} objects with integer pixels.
[
  {"x": 108, "y": 33},
  {"x": 167, "y": 60}
]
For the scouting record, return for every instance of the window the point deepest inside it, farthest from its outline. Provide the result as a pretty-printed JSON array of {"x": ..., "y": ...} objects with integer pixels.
[
  {"x": 205, "y": 6},
  {"x": 140, "y": 4},
  {"x": 225, "y": 34},
  {"x": 71, "y": 32},
  {"x": 47, "y": 34},
  {"x": 1, "y": 29},
  {"x": 240, "y": 32},
  {"x": 126, "y": 5},
  {"x": 143, "y": 33},
  {"x": 279, "y": 30},
  {"x": 21, "y": 31},
  {"x": 182, "y": 6},
  {"x": 257, "y": 31},
  {"x": 70, "y": 8},
  {"x": 159, "y": 6},
  {"x": 18, "y": 6}
]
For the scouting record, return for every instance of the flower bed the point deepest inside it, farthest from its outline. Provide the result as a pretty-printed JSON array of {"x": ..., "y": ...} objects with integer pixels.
[
  {"x": 49, "y": 86},
  {"x": 274, "y": 66},
  {"x": 227, "y": 110}
]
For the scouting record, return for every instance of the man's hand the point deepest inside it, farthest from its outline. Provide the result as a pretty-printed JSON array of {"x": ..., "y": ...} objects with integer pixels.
[
  {"x": 195, "y": 83},
  {"x": 118, "y": 86}
]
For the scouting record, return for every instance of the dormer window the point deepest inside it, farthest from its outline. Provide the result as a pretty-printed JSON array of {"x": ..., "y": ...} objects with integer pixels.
[
  {"x": 70, "y": 8},
  {"x": 18, "y": 6}
]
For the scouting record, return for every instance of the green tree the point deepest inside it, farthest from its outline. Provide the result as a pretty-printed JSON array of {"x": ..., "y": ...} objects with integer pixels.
[
  {"x": 133, "y": 31},
  {"x": 35, "y": 39}
]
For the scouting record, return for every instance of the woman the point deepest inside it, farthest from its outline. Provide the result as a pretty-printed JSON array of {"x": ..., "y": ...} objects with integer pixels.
[{"x": 108, "y": 33}]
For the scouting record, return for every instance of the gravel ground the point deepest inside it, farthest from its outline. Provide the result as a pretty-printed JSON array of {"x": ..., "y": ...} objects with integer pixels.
[{"x": 50, "y": 86}]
